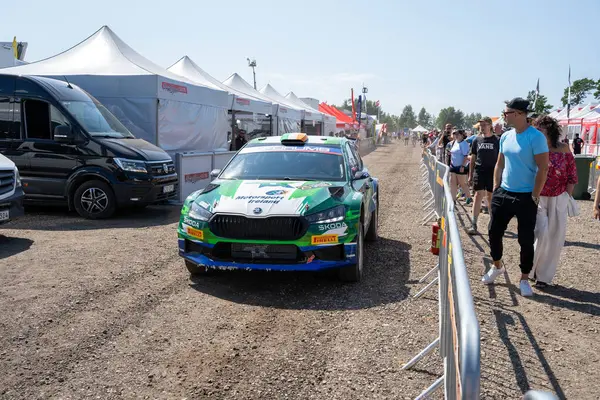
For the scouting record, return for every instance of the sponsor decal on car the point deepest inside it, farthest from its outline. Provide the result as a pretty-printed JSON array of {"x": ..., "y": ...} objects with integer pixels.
[
  {"x": 324, "y": 239},
  {"x": 198, "y": 234},
  {"x": 191, "y": 222},
  {"x": 266, "y": 199},
  {"x": 306, "y": 149},
  {"x": 333, "y": 225}
]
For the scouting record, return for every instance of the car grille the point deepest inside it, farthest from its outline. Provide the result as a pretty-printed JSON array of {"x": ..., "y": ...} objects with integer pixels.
[
  {"x": 272, "y": 228},
  {"x": 157, "y": 168},
  {"x": 258, "y": 253},
  {"x": 7, "y": 181}
]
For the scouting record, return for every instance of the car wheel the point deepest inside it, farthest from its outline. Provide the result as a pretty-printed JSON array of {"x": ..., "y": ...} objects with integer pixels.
[
  {"x": 372, "y": 233},
  {"x": 353, "y": 273},
  {"x": 95, "y": 200},
  {"x": 196, "y": 270}
]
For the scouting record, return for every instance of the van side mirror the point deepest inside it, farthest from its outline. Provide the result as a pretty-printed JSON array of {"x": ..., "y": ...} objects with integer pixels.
[
  {"x": 214, "y": 173},
  {"x": 64, "y": 134}
]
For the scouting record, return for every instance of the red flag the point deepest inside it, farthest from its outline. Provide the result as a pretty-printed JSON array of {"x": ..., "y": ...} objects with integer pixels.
[{"x": 377, "y": 103}]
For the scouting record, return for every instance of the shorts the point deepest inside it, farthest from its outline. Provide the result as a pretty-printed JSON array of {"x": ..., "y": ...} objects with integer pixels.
[
  {"x": 456, "y": 170},
  {"x": 483, "y": 180}
]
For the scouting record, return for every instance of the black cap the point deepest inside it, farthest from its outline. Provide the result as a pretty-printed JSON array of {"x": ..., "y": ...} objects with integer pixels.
[{"x": 518, "y": 103}]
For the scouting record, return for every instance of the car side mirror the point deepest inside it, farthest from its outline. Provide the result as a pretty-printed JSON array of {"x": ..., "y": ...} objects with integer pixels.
[
  {"x": 361, "y": 174},
  {"x": 64, "y": 134},
  {"x": 214, "y": 173}
]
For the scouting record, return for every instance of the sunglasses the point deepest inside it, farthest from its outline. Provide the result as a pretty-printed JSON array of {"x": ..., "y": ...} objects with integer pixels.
[{"x": 505, "y": 113}]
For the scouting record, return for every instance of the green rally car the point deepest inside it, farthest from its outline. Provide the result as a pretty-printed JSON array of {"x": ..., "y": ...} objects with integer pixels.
[{"x": 293, "y": 202}]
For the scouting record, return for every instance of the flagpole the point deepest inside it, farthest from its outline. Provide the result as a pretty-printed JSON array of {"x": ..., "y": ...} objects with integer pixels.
[
  {"x": 537, "y": 93},
  {"x": 569, "y": 95}
]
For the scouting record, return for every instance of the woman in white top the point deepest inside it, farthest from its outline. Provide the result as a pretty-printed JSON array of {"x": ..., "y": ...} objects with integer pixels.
[{"x": 459, "y": 161}]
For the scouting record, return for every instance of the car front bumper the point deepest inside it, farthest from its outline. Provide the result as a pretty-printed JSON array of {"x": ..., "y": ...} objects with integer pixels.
[
  {"x": 146, "y": 192},
  {"x": 13, "y": 204},
  {"x": 311, "y": 258}
]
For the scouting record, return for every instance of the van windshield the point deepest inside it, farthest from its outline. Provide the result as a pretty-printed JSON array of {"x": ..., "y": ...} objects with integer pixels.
[{"x": 96, "y": 119}]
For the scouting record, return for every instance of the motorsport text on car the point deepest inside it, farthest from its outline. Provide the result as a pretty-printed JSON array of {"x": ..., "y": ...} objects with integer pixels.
[{"x": 292, "y": 202}]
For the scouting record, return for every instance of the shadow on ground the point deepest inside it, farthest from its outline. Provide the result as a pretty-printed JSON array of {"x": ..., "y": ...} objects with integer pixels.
[
  {"x": 60, "y": 219},
  {"x": 387, "y": 269},
  {"x": 10, "y": 246}
]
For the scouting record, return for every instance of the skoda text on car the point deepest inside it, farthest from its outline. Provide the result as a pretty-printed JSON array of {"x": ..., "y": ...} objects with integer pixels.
[{"x": 291, "y": 203}]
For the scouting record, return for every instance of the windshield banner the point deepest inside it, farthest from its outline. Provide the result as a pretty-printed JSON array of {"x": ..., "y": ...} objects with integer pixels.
[{"x": 301, "y": 149}]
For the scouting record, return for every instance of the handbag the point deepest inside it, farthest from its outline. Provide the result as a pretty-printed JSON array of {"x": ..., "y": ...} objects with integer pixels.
[{"x": 572, "y": 207}]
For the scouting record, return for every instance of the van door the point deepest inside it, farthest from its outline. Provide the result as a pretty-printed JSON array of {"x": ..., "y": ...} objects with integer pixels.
[
  {"x": 50, "y": 163},
  {"x": 10, "y": 125}
]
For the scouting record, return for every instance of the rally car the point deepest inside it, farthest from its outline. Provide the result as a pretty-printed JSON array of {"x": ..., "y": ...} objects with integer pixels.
[{"x": 293, "y": 202}]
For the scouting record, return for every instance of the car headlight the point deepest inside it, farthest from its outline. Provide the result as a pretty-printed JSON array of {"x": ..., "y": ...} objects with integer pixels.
[
  {"x": 131, "y": 165},
  {"x": 334, "y": 214},
  {"x": 199, "y": 212},
  {"x": 17, "y": 178}
]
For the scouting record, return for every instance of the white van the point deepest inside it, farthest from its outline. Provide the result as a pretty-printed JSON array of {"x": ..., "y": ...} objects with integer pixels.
[{"x": 11, "y": 191}]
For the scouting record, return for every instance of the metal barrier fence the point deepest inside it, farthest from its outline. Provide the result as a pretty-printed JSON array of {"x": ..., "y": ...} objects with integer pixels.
[
  {"x": 458, "y": 337},
  {"x": 594, "y": 176},
  {"x": 193, "y": 169}
]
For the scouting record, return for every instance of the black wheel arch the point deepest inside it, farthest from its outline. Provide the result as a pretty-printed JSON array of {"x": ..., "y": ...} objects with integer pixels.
[{"x": 83, "y": 175}]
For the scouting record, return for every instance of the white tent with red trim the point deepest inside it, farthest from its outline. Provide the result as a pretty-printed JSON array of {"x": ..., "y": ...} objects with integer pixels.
[{"x": 154, "y": 104}]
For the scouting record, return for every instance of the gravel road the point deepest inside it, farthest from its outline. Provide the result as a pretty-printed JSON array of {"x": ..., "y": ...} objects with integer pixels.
[{"x": 105, "y": 309}]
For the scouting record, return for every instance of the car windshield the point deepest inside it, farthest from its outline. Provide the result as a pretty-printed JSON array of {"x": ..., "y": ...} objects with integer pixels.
[
  {"x": 287, "y": 163},
  {"x": 96, "y": 119}
]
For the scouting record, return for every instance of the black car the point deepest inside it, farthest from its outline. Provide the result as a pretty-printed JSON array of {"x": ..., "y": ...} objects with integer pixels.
[{"x": 69, "y": 149}]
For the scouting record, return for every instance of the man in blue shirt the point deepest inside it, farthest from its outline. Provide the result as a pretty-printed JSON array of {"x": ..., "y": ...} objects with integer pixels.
[{"x": 519, "y": 178}]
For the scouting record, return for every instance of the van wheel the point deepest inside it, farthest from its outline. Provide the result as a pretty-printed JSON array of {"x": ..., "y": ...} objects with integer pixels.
[{"x": 94, "y": 200}]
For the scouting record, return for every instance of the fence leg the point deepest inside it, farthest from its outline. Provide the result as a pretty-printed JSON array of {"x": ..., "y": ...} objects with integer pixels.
[
  {"x": 429, "y": 203},
  {"x": 434, "y": 386},
  {"x": 428, "y": 218},
  {"x": 430, "y": 284},
  {"x": 424, "y": 278},
  {"x": 422, "y": 354}
]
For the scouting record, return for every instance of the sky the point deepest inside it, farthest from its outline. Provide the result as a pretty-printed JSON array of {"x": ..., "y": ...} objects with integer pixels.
[{"x": 471, "y": 55}]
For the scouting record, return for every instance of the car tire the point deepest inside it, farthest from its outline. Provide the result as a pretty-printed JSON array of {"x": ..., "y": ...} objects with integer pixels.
[
  {"x": 373, "y": 231},
  {"x": 95, "y": 200},
  {"x": 195, "y": 270},
  {"x": 353, "y": 273}
]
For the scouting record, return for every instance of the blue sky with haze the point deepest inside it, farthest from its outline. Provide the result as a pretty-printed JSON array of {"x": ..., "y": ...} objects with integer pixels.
[{"x": 468, "y": 54}]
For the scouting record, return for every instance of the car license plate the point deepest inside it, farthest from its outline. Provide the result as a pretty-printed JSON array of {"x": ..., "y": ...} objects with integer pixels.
[
  {"x": 4, "y": 215},
  {"x": 168, "y": 188}
]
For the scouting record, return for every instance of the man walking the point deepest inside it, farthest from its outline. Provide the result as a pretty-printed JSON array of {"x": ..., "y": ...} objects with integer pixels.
[
  {"x": 577, "y": 144},
  {"x": 484, "y": 154},
  {"x": 519, "y": 178}
]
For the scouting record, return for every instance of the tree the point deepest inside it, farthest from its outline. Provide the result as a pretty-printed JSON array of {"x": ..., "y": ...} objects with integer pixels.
[
  {"x": 541, "y": 106},
  {"x": 471, "y": 119},
  {"x": 580, "y": 89},
  {"x": 408, "y": 119},
  {"x": 424, "y": 118},
  {"x": 449, "y": 115}
]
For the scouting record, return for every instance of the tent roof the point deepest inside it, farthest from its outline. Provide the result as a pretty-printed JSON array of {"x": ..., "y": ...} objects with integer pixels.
[
  {"x": 315, "y": 115},
  {"x": 271, "y": 93},
  {"x": 103, "y": 53},
  {"x": 419, "y": 128},
  {"x": 581, "y": 113},
  {"x": 238, "y": 83},
  {"x": 188, "y": 69},
  {"x": 594, "y": 115}
]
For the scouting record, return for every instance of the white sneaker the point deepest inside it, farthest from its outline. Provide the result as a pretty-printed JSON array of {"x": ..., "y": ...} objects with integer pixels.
[
  {"x": 491, "y": 275},
  {"x": 525, "y": 289}
]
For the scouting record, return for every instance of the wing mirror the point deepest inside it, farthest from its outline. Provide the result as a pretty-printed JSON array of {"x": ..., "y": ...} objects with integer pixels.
[
  {"x": 361, "y": 174},
  {"x": 64, "y": 134},
  {"x": 214, "y": 173}
]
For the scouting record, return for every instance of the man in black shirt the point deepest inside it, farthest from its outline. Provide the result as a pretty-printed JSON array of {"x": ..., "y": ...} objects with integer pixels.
[
  {"x": 577, "y": 144},
  {"x": 484, "y": 154}
]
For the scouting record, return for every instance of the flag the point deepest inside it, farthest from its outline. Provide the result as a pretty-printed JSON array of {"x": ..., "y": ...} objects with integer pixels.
[
  {"x": 377, "y": 103},
  {"x": 569, "y": 95},
  {"x": 14, "y": 47},
  {"x": 353, "y": 108},
  {"x": 537, "y": 93},
  {"x": 359, "y": 108}
]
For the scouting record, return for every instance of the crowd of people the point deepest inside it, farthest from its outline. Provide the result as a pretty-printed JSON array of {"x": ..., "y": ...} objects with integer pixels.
[{"x": 525, "y": 172}]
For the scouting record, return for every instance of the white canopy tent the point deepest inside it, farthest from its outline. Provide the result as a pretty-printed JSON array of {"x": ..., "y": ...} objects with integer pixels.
[
  {"x": 419, "y": 129},
  {"x": 309, "y": 113},
  {"x": 238, "y": 84},
  {"x": 289, "y": 116},
  {"x": 238, "y": 101},
  {"x": 153, "y": 103}
]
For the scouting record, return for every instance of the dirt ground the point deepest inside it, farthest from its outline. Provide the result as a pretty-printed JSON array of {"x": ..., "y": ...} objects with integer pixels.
[{"x": 105, "y": 309}]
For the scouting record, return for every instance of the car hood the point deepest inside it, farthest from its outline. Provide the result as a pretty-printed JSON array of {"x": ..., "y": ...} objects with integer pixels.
[
  {"x": 266, "y": 198},
  {"x": 6, "y": 163},
  {"x": 136, "y": 149}
]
